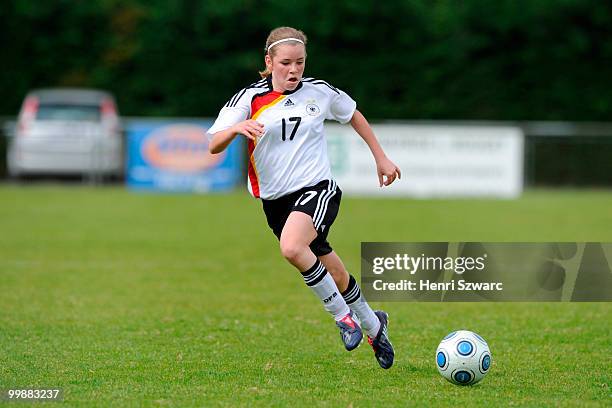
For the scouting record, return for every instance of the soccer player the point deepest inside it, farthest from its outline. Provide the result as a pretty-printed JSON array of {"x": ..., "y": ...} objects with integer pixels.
[{"x": 282, "y": 116}]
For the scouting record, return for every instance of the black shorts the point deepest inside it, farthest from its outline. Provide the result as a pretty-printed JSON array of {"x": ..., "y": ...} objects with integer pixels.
[{"x": 321, "y": 202}]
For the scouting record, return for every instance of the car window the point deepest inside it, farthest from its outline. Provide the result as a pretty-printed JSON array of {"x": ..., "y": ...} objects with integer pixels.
[{"x": 68, "y": 112}]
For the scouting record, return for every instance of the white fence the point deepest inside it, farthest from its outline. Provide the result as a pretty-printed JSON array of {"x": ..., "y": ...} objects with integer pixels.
[{"x": 436, "y": 161}]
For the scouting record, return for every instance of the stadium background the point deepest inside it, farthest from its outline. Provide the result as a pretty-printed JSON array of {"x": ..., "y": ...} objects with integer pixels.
[
  {"x": 524, "y": 60},
  {"x": 168, "y": 300}
]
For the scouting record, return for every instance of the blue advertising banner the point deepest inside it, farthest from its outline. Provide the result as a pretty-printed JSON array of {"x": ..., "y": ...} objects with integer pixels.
[{"x": 173, "y": 156}]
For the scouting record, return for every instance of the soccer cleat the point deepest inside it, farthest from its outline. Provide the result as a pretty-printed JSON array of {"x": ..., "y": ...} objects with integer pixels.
[
  {"x": 350, "y": 332},
  {"x": 383, "y": 349}
]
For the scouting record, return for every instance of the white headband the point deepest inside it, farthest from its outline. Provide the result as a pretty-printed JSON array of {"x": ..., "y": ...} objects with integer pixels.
[{"x": 282, "y": 41}]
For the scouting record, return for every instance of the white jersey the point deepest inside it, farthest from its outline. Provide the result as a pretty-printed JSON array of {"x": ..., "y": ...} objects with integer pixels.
[{"x": 292, "y": 152}]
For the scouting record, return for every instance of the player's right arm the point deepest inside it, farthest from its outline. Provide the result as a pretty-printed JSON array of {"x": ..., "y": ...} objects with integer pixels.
[
  {"x": 235, "y": 119},
  {"x": 249, "y": 128}
]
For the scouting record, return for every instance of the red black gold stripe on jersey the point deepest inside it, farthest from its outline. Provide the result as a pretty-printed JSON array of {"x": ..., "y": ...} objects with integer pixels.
[{"x": 258, "y": 105}]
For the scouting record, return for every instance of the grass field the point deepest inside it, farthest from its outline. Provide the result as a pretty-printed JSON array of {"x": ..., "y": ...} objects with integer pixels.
[{"x": 127, "y": 299}]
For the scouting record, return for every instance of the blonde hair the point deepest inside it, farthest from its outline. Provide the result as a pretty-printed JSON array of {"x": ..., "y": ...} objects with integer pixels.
[{"x": 281, "y": 33}]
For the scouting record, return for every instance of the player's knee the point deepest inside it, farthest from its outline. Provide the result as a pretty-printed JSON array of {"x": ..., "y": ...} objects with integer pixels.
[{"x": 291, "y": 250}]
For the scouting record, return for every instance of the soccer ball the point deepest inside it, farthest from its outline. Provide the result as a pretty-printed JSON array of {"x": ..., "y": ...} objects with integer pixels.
[{"x": 463, "y": 357}]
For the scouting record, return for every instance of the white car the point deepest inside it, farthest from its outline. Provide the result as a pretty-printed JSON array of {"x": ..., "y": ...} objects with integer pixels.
[{"x": 67, "y": 132}]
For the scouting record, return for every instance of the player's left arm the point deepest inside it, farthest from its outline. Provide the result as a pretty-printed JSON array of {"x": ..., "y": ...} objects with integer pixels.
[{"x": 386, "y": 169}]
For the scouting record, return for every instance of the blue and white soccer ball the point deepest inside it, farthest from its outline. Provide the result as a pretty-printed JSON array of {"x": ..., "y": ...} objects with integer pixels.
[{"x": 463, "y": 357}]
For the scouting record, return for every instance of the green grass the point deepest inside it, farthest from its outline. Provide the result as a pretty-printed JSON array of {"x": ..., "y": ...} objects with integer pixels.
[{"x": 124, "y": 299}]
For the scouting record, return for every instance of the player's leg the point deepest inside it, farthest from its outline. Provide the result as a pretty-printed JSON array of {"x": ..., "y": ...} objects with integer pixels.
[
  {"x": 325, "y": 209},
  {"x": 374, "y": 323},
  {"x": 336, "y": 269},
  {"x": 351, "y": 293},
  {"x": 295, "y": 238}
]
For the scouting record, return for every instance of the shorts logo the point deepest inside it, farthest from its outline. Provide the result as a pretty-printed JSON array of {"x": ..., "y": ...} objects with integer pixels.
[
  {"x": 310, "y": 194},
  {"x": 312, "y": 109}
]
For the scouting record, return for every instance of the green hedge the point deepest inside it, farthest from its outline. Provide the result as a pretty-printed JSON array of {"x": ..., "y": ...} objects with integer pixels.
[
  {"x": 568, "y": 161},
  {"x": 418, "y": 59}
]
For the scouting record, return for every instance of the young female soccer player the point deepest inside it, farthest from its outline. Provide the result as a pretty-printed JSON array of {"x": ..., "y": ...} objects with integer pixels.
[{"x": 282, "y": 116}]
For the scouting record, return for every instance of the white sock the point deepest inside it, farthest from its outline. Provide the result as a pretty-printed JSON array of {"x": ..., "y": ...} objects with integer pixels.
[
  {"x": 323, "y": 285},
  {"x": 357, "y": 303}
]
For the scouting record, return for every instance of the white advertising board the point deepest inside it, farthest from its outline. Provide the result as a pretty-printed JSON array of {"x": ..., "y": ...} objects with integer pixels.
[{"x": 436, "y": 161}]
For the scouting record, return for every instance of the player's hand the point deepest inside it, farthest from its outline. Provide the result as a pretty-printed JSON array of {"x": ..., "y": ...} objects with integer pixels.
[
  {"x": 250, "y": 128},
  {"x": 387, "y": 171}
]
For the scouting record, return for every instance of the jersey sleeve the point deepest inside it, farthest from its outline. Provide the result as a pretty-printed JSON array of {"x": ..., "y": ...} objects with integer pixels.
[
  {"x": 235, "y": 111},
  {"x": 342, "y": 107}
]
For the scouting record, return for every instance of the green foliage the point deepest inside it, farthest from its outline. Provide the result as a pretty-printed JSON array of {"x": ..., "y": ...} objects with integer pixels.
[{"x": 411, "y": 59}]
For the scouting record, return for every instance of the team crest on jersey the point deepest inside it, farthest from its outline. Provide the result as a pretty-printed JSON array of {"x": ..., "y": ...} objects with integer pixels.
[{"x": 312, "y": 109}]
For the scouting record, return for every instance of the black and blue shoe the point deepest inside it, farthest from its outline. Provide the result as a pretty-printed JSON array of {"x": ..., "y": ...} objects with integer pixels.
[
  {"x": 383, "y": 349},
  {"x": 350, "y": 332}
]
